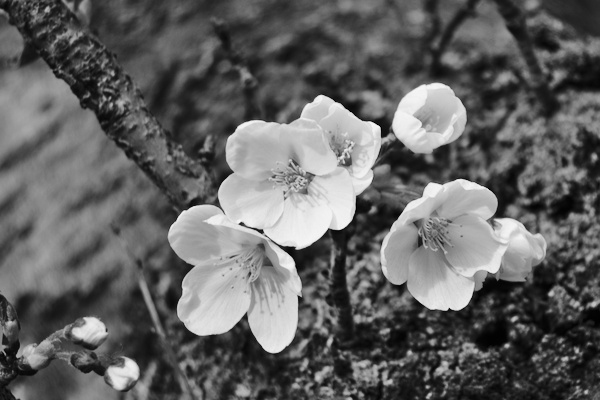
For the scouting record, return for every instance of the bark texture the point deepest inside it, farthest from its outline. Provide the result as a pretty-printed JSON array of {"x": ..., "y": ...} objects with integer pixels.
[
  {"x": 96, "y": 78},
  {"x": 5, "y": 394}
]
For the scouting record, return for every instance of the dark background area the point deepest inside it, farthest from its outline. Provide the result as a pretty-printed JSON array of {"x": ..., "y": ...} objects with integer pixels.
[{"x": 63, "y": 183}]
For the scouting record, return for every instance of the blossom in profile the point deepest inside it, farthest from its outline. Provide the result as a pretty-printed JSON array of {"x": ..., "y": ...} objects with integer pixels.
[
  {"x": 356, "y": 143},
  {"x": 236, "y": 271},
  {"x": 122, "y": 374},
  {"x": 441, "y": 241},
  {"x": 286, "y": 181},
  {"x": 525, "y": 251},
  {"x": 428, "y": 117}
]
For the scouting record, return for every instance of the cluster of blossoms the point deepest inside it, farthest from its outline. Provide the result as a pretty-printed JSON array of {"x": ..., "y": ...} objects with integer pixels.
[{"x": 295, "y": 181}]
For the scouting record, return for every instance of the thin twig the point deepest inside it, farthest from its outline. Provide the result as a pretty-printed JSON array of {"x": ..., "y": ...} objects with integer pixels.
[
  {"x": 248, "y": 81},
  {"x": 387, "y": 144},
  {"x": 344, "y": 330},
  {"x": 430, "y": 7},
  {"x": 467, "y": 10},
  {"x": 98, "y": 80},
  {"x": 515, "y": 23},
  {"x": 151, "y": 306}
]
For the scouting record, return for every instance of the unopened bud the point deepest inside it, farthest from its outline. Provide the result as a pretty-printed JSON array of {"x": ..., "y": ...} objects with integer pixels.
[
  {"x": 85, "y": 362},
  {"x": 122, "y": 374},
  {"x": 11, "y": 325},
  {"x": 36, "y": 357},
  {"x": 89, "y": 332}
]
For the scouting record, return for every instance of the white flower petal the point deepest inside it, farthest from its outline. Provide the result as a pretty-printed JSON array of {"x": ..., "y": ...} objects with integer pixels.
[
  {"x": 285, "y": 265},
  {"x": 309, "y": 146},
  {"x": 361, "y": 184},
  {"x": 337, "y": 191},
  {"x": 465, "y": 197},
  {"x": 303, "y": 221},
  {"x": 459, "y": 121},
  {"x": 273, "y": 313},
  {"x": 256, "y": 147},
  {"x": 475, "y": 246},
  {"x": 196, "y": 242},
  {"x": 433, "y": 197},
  {"x": 255, "y": 203},
  {"x": 365, "y": 135},
  {"x": 214, "y": 299},
  {"x": 479, "y": 278},
  {"x": 413, "y": 100},
  {"x": 318, "y": 109},
  {"x": 409, "y": 131},
  {"x": 434, "y": 284},
  {"x": 396, "y": 249}
]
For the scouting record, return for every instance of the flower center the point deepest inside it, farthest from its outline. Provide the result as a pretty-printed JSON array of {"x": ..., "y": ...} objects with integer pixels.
[
  {"x": 428, "y": 118},
  {"x": 342, "y": 146},
  {"x": 292, "y": 177},
  {"x": 249, "y": 261},
  {"x": 434, "y": 233}
]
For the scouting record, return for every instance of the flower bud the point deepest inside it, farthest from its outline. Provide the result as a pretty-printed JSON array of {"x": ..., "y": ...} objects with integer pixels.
[
  {"x": 11, "y": 325},
  {"x": 122, "y": 374},
  {"x": 85, "y": 362},
  {"x": 36, "y": 357},
  {"x": 524, "y": 251},
  {"x": 428, "y": 117},
  {"x": 89, "y": 332}
]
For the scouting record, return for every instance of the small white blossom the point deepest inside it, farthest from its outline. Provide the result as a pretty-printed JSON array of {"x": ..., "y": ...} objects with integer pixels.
[
  {"x": 428, "y": 117},
  {"x": 236, "y": 271},
  {"x": 356, "y": 143},
  {"x": 88, "y": 332},
  {"x": 122, "y": 374},
  {"x": 286, "y": 181},
  {"x": 441, "y": 241},
  {"x": 524, "y": 251}
]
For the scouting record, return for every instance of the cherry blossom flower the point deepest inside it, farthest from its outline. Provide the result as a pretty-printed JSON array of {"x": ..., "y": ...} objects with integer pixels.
[
  {"x": 524, "y": 251},
  {"x": 286, "y": 181},
  {"x": 441, "y": 241},
  {"x": 356, "y": 143},
  {"x": 236, "y": 271},
  {"x": 428, "y": 117}
]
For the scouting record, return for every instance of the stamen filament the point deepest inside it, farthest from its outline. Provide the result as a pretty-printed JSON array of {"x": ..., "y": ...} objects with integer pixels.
[
  {"x": 434, "y": 233},
  {"x": 291, "y": 176}
]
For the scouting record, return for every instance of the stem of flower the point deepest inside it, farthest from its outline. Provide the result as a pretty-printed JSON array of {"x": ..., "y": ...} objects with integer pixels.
[
  {"x": 515, "y": 23},
  {"x": 344, "y": 331},
  {"x": 457, "y": 20},
  {"x": 248, "y": 81},
  {"x": 184, "y": 383}
]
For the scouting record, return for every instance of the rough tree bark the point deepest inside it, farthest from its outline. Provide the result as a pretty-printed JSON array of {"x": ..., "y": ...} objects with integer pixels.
[{"x": 100, "y": 83}]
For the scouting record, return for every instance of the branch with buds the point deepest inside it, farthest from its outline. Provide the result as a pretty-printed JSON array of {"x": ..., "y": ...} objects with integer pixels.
[{"x": 120, "y": 373}]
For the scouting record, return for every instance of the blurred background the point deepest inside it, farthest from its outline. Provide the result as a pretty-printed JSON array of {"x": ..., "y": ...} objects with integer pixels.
[{"x": 63, "y": 183}]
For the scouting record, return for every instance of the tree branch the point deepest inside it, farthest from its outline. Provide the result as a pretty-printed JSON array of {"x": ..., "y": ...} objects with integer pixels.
[{"x": 101, "y": 84}]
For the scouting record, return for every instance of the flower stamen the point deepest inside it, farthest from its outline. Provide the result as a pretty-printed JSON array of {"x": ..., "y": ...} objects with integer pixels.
[
  {"x": 292, "y": 177},
  {"x": 342, "y": 147},
  {"x": 249, "y": 260},
  {"x": 434, "y": 232}
]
